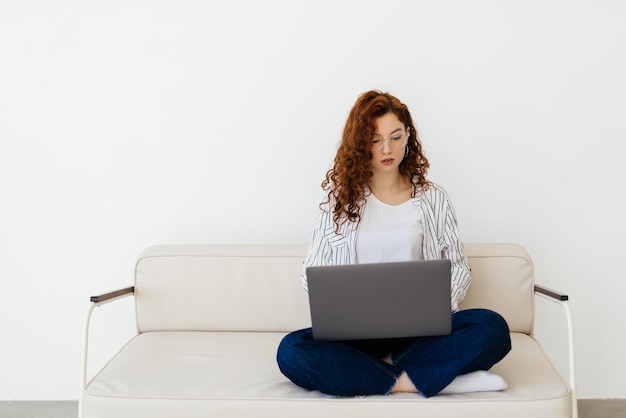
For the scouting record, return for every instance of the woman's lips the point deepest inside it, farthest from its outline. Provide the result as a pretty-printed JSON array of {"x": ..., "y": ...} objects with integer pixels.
[{"x": 387, "y": 161}]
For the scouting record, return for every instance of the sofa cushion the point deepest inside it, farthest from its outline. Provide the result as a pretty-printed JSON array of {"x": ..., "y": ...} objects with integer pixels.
[
  {"x": 197, "y": 374},
  {"x": 221, "y": 288}
]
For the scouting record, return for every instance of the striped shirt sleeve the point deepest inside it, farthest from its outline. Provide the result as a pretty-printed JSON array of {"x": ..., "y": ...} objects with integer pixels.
[
  {"x": 318, "y": 253},
  {"x": 327, "y": 246},
  {"x": 446, "y": 239}
]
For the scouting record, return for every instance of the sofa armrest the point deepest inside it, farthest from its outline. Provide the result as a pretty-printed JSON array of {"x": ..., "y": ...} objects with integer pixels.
[
  {"x": 562, "y": 299},
  {"x": 110, "y": 296},
  {"x": 95, "y": 302},
  {"x": 551, "y": 293}
]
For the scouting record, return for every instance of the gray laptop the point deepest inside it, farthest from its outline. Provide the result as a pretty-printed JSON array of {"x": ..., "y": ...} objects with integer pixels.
[{"x": 381, "y": 300}]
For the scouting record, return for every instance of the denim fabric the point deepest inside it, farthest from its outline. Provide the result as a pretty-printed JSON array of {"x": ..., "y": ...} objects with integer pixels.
[{"x": 479, "y": 339}]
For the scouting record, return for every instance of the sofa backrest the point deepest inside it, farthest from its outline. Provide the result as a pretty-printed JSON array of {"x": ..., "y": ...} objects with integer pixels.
[
  {"x": 257, "y": 287},
  {"x": 503, "y": 280},
  {"x": 221, "y": 288}
]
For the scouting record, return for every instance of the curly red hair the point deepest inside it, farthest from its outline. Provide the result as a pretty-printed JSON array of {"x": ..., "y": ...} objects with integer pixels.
[{"x": 347, "y": 181}]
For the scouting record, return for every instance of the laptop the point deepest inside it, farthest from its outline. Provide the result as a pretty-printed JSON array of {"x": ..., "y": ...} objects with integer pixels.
[{"x": 380, "y": 300}]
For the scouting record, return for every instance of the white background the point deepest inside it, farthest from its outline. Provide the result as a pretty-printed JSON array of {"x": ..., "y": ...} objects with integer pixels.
[{"x": 125, "y": 124}]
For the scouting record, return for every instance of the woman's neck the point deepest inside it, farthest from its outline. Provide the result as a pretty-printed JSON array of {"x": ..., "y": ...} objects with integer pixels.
[{"x": 391, "y": 189}]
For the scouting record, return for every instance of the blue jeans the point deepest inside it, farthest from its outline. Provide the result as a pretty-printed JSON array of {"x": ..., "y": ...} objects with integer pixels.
[{"x": 480, "y": 338}]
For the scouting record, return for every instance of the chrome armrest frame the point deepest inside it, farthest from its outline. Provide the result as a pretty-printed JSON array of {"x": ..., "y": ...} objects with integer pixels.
[
  {"x": 562, "y": 300},
  {"x": 95, "y": 302}
]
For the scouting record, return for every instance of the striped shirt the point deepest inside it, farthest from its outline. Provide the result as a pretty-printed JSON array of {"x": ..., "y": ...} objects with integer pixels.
[{"x": 441, "y": 240}]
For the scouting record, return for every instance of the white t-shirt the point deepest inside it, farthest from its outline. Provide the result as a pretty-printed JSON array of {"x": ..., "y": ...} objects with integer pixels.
[{"x": 390, "y": 232}]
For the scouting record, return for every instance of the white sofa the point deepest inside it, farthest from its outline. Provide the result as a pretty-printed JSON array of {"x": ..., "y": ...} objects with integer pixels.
[{"x": 210, "y": 317}]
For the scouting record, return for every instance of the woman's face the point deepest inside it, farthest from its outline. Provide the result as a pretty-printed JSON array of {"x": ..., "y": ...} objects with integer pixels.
[{"x": 388, "y": 144}]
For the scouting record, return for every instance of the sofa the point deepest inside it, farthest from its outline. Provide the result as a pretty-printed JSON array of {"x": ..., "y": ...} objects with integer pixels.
[{"x": 209, "y": 319}]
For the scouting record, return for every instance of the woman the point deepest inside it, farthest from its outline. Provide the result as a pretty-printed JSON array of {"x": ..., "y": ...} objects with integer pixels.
[{"x": 380, "y": 208}]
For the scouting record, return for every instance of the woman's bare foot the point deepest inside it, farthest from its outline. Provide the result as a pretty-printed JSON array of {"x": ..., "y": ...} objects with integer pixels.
[{"x": 404, "y": 384}]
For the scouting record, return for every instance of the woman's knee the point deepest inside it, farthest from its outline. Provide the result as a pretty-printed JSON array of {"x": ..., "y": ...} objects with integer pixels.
[
  {"x": 494, "y": 321},
  {"x": 480, "y": 317},
  {"x": 487, "y": 324},
  {"x": 296, "y": 360},
  {"x": 290, "y": 349}
]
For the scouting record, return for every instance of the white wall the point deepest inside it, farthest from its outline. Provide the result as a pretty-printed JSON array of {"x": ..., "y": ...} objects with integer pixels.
[{"x": 130, "y": 123}]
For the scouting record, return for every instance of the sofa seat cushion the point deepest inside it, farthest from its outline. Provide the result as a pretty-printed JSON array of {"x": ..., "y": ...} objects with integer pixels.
[{"x": 235, "y": 374}]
